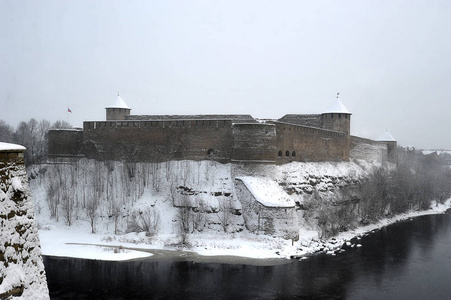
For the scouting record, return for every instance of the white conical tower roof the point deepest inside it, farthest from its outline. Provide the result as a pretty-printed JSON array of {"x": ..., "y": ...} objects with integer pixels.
[
  {"x": 337, "y": 108},
  {"x": 386, "y": 137},
  {"x": 119, "y": 103}
]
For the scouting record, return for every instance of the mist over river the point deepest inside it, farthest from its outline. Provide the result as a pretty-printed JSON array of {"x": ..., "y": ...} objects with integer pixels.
[{"x": 406, "y": 260}]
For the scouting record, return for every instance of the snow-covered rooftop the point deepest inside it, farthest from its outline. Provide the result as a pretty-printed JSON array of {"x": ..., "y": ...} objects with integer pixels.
[
  {"x": 337, "y": 108},
  {"x": 119, "y": 103},
  {"x": 386, "y": 137},
  {"x": 267, "y": 191},
  {"x": 11, "y": 147}
]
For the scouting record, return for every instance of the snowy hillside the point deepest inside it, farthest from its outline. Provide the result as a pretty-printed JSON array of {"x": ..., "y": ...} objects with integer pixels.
[{"x": 118, "y": 200}]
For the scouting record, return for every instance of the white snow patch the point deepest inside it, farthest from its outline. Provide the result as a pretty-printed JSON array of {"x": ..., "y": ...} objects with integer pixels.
[
  {"x": 79, "y": 244},
  {"x": 267, "y": 192},
  {"x": 11, "y": 147},
  {"x": 16, "y": 184}
]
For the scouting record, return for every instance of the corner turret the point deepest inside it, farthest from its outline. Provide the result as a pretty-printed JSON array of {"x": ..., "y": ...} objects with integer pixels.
[
  {"x": 391, "y": 143},
  {"x": 119, "y": 110},
  {"x": 337, "y": 117}
]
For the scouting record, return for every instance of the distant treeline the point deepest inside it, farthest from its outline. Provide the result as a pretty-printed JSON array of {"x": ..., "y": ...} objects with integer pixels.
[
  {"x": 412, "y": 184},
  {"x": 32, "y": 135}
]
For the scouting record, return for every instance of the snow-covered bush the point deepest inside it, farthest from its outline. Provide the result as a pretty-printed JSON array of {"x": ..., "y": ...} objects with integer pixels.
[{"x": 146, "y": 219}]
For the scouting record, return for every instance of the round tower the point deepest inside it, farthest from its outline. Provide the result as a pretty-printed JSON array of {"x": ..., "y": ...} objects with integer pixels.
[
  {"x": 391, "y": 143},
  {"x": 337, "y": 117},
  {"x": 118, "y": 111}
]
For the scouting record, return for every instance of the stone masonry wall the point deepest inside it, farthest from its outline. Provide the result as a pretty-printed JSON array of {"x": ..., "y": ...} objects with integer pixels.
[
  {"x": 254, "y": 143},
  {"x": 220, "y": 140},
  {"x": 117, "y": 114},
  {"x": 306, "y": 144},
  {"x": 337, "y": 122},
  {"x": 258, "y": 218},
  {"x": 65, "y": 142},
  {"x": 367, "y": 149},
  {"x": 158, "y": 141}
]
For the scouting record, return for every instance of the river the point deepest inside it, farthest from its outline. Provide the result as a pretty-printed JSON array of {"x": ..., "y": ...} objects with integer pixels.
[{"x": 406, "y": 260}]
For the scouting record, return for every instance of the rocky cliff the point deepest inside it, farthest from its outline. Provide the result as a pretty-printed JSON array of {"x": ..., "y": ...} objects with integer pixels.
[{"x": 21, "y": 266}]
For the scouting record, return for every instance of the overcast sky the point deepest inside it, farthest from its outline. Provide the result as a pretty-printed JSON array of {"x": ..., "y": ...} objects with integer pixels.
[{"x": 389, "y": 60}]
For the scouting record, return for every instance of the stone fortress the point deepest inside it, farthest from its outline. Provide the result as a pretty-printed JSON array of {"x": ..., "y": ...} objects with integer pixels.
[
  {"x": 221, "y": 138},
  {"x": 253, "y": 148}
]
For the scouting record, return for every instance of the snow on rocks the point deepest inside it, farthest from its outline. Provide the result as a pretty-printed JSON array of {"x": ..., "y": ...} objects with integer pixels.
[
  {"x": 208, "y": 183},
  {"x": 21, "y": 266},
  {"x": 267, "y": 192}
]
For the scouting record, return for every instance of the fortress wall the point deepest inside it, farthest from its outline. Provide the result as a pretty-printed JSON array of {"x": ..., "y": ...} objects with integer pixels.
[
  {"x": 302, "y": 143},
  {"x": 158, "y": 141},
  {"x": 337, "y": 122},
  {"x": 254, "y": 142},
  {"x": 65, "y": 142},
  {"x": 367, "y": 149},
  {"x": 117, "y": 113}
]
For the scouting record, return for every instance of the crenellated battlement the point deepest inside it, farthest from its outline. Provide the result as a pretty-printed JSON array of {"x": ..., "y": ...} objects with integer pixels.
[
  {"x": 193, "y": 123},
  {"x": 222, "y": 138}
]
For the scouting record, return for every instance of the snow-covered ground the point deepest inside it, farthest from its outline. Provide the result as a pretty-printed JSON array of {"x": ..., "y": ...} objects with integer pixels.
[
  {"x": 80, "y": 243},
  {"x": 160, "y": 186}
]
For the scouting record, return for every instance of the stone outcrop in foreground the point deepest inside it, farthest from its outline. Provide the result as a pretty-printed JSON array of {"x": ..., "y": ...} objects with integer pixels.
[{"x": 21, "y": 266}]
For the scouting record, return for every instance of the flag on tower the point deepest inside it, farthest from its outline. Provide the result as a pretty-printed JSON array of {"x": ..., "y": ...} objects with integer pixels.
[{"x": 68, "y": 110}]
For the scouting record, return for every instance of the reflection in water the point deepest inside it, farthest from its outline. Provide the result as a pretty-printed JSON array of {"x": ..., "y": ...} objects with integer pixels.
[{"x": 408, "y": 260}]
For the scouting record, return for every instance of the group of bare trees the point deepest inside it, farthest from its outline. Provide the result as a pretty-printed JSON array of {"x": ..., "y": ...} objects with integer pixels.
[
  {"x": 413, "y": 184},
  {"x": 145, "y": 220},
  {"x": 32, "y": 135},
  {"x": 194, "y": 216},
  {"x": 89, "y": 189}
]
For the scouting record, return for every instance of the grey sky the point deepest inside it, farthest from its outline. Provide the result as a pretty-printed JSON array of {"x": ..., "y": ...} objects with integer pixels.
[{"x": 390, "y": 61}]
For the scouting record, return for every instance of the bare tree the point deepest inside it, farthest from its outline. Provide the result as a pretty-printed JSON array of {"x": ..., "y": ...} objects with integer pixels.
[
  {"x": 61, "y": 124},
  {"x": 32, "y": 131},
  {"x": 22, "y": 133},
  {"x": 225, "y": 212},
  {"x": 200, "y": 217},
  {"x": 173, "y": 193},
  {"x": 185, "y": 172},
  {"x": 68, "y": 206},
  {"x": 147, "y": 219},
  {"x": 42, "y": 131},
  {"x": 168, "y": 169},
  {"x": 6, "y": 132},
  {"x": 91, "y": 211},
  {"x": 115, "y": 213},
  {"x": 156, "y": 176},
  {"x": 53, "y": 199},
  {"x": 184, "y": 217}
]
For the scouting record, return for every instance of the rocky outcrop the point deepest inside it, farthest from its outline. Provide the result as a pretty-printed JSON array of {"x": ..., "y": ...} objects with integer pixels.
[{"x": 21, "y": 266}]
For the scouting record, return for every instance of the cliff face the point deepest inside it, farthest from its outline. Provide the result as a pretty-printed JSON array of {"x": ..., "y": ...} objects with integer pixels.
[
  {"x": 120, "y": 192},
  {"x": 21, "y": 266}
]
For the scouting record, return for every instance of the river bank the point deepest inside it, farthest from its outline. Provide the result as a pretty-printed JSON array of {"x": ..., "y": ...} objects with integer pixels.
[
  {"x": 407, "y": 260},
  {"x": 80, "y": 243}
]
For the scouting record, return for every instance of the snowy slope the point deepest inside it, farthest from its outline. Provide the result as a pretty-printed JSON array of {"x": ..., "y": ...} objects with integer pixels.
[{"x": 142, "y": 187}]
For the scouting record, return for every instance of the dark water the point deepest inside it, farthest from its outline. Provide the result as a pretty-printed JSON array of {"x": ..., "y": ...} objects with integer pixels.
[{"x": 408, "y": 260}]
